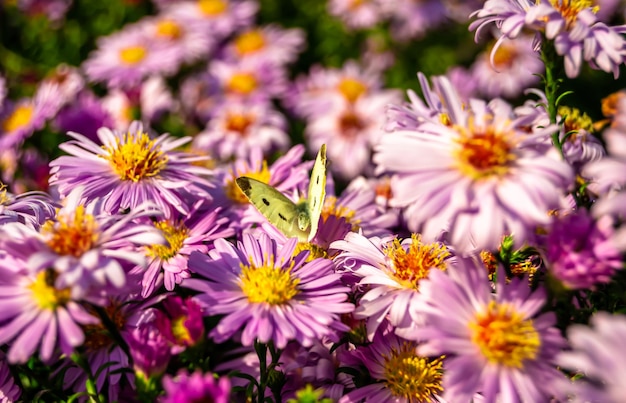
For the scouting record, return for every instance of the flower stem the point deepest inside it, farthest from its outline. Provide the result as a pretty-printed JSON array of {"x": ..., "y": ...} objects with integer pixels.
[
  {"x": 261, "y": 351},
  {"x": 551, "y": 83}
]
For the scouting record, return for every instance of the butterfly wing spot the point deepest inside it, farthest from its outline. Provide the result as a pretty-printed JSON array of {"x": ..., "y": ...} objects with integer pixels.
[
  {"x": 282, "y": 217},
  {"x": 266, "y": 202}
]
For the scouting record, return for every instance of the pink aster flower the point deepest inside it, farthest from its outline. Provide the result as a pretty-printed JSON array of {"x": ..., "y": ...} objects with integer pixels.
[
  {"x": 598, "y": 355},
  {"x": 19, "y": 120},
  {"x": 238, "y": 126},
  {"x": 193, "y": 232},
  {"x": 573, "y": 26},
  {"x": 9, "y": 391},
  {"x": 412, "y": 19},
  {"x": 400, "y": 374},
  {"x": 218, "y": 18},
  {"x": 36, "y": 314},
  {"x": 270, "y": 43},
  {"x": 124, "y": 58},
  {"x": 130, "y": 168},
  {"x": 249, "y": 78},
  {"x": 498, "y": 344},
  {"x": 269, "y": 293},
  {"x": 581, "y": 252},
  {"x": 392, "y": 271},
  {"x": 31, "y": 208},
  {"x": 479, "y": 173},
  {"x": 358, "y": 14},
  {"x": 190, "y": 388},
  {"x": 68, "y": 81}
]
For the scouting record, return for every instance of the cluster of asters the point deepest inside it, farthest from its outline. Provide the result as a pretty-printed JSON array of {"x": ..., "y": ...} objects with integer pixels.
[{"x": 144, "y": 271}]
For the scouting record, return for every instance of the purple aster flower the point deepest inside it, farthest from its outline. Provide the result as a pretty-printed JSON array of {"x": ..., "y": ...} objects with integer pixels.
[
  {"x": 31, "y": 209},
  {"x": 581, "y": 252},
  {"x": 479, "y": 173},
  {"x": 507, "y": 71},
  {"x": 195, "y": 387},
  {"x": 130, "y": 168},
  {"x": 249, "y": 78},
  {"x": 54, "y": 10},
  {"x": 69, "y": 82},
  {"x": 218, "y": 18},
  {"x": 149, "y": 350},
  {"x": 180, "y": 322},
  {"x": 399, "y": 372},
  {"x": 498, "y": 344},
  {"x": 86, "y": 249},
  {"x": 85, "y": 116},
  {"x": 37, "y": 313},
  {"x": 598, "y": 355},
  {"x": 18, "y": 120},
  {"x": 392, "y": 271},
  {"x": 124, "y": 58},
  {"x": 239, "y": 126},
  {"x": 573, "y": 26},
  {"x": 268, "y": 292},
  {"x": 269, "y": 43},
  {"x": 9, "y": 391},
  {"x": 412, "y": 19},
  {"x": 358, "y": 14},
  {"x": 168, "y": 263}
]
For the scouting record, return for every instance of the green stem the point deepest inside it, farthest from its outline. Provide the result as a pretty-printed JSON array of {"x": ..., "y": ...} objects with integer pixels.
[
  {"x": 261, "y": 351},
  {"x": 551, "y": 87}
]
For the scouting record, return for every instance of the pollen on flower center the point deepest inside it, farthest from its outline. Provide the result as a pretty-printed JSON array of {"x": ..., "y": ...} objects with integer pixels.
[
  {"x": 175, "y": 234},
  {"x": 411, "y": 377},
  {"x": 212, "y": 7},
  {"x": 315, "y": 251},
  {"x": 133, "y": 54},
  {"x": 332, "y": 208},
  {"x": 570, "y": 9},
  {"x": 45, "y": 294},
  {"x": 235, "y": 194},
  {"x": 413, "y": 264},
  {"x": 575, "y": 121},
  {"x": 20, "y": 117},
  {"x": 239, "y": 122},
  {"x": 249, "y": 42},
  {"x": 242, "y": 83},
  {"x": 169, "y": 29},
  {"x": 4, "y": 199},
  {"x": 483, "y": 154},
  {"x": 351, "y": 89},
  {"x": 503, "y": 335},
  {"x": 504, "y": 57},
  {"x": 71, "y": 235},
  {"x": 136, "y": 157},
  {"x": 268, "y": 284}
]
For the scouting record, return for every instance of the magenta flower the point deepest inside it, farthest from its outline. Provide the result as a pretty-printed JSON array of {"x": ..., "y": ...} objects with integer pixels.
[
  {"x": 149, "y": 350},
  {"x": 478, "y": 173},
  {"x": 581, "y": 252},
  {"x": 572, "y": 25},
  {"x": 195, "y": 387},
  {"x": 497, "y": 344},
  {"x": 598, "y": 355},
  {"x": 268, "y": 293},
  {"x": 180, "y": 322},
  {"x": 130, "y": 168}
]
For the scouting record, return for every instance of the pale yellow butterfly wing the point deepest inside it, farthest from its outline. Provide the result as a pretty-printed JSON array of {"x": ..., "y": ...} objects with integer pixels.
[
  {"x": 276, "y": 207},
  {"x": 317, "y": 191}
]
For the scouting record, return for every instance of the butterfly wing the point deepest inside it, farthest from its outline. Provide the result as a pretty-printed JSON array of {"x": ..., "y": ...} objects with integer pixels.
[
  {"x": 317, "y": 191},
  {"x": 276, "y": 207}
]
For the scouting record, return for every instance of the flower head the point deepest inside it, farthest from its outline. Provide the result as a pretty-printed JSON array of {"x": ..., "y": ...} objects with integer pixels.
[
  {"x": 31, "y": 208},
  {"x": 194, "y": 387},
  {"x": 268, "y": 292}
]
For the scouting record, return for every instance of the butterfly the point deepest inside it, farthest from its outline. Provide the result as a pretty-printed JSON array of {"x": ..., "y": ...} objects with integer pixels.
[{"x": 293, "y": 220}]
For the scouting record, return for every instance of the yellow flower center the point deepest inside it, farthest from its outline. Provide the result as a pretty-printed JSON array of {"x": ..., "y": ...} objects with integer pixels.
[
  {"x": 413, "y": 263},
  {"x": 315, "y": 251},
  {"x": 242, "y": 83},
  {"x": 71, "y": 235},
  {"x": 482, "y": 155},
  {"x": 235, "y": 194},
  {"x": 175, "y": 234},
  {"x": 4, "y": 199},
  {"x": 239, "y": 122},
  {"x": 268, "y": 284},
  {"x": 179, "y": 330},
  {"x": 249, "y": 42},
  {"x": 212, "y": 7},
  {"x": 136, "y": 157},
  {"x": 570, "y": 9},
  {"x": 133, "y": 54},
  {"x": 503, "y": 335},
  {"x": 97, "y": 335},
  {"x": 351, "y": 89},
  {"x": 413, "y": 378},
  {"x": 575, "y": 121},
  {"x": 332, "y": 208},
  {"x": 169, "y": 29},
  {"x": 45, "y": 294},
  {"x": 20, "y": 117},
  {"x": 505, "y": 57}
]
